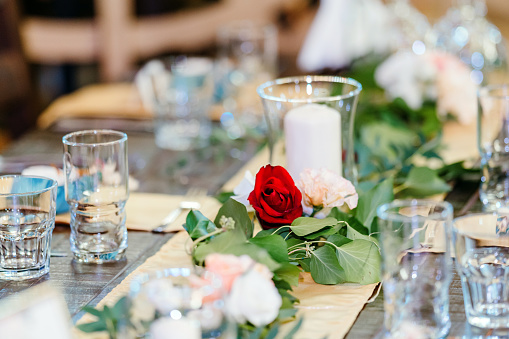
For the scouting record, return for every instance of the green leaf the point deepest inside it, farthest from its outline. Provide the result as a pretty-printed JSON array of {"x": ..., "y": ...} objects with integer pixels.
[
  {"x": 93, "y": 311},
  {"x": 121, "y": 308},
  {"x": 198, "y": 225},
  {"x": 274, "y": 244},
  {"x": 325, "y": 268},
  {"x": 337, "y": 240},
  {"x": 369, "y": 201},
  {"x": 360, "y": 260},
  {"x": 224, "y": 196},
  {"x": 219, "y": 244},
  {"x": 305, "y": 225},
  {"x": 305, "y": 264},
  {"x": 273, "y": 331},
  {"x": 287, "y": 313},
  {"x": 294, "y": 330},
  {"x": 289, "y": 273},
  {"x": 97, "y": 326},
  {"x": 256, "y": 253},
  {"x": 238, "y": 212},
  {"x": 423, "y": 182},
  {"x": 324, "y": 232}
]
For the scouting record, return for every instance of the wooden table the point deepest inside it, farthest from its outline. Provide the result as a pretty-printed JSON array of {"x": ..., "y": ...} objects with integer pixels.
[{"x": 161, "y": 171}]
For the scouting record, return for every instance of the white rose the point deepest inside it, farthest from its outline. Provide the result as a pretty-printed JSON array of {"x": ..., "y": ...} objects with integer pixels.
[
  {"x": 253, "y": 298},
  {"x": 142, "y": 309},
  {"x": 167, "y": 328},
  {"x": 243, "y": 189},
  {"x": 162, "y": 294}
]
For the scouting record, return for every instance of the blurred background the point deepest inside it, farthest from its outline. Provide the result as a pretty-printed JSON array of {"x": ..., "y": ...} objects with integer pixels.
[{"x": 50, "y": 48}]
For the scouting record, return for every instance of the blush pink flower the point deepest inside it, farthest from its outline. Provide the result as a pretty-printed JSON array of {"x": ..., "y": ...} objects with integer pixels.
[
  {"x": 326, "y": 189},
  {"x": 456, "y": 93},
  {"x": 228, "y": 267}
]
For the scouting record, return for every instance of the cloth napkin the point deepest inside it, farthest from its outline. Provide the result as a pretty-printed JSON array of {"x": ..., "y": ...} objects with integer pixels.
[{"x": 145, "y": 211}]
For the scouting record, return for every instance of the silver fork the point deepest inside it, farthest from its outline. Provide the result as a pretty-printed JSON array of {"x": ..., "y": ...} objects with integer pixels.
[{"x": 187, "y": 204}]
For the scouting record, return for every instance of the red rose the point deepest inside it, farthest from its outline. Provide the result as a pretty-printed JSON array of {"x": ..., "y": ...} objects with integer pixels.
[{"x": 275, "y": 198}]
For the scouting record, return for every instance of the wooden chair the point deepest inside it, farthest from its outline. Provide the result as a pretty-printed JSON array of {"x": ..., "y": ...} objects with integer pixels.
[{"x": 116, "y": 39}]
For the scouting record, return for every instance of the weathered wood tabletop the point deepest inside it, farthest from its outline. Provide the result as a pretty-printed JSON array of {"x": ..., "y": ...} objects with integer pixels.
[{"x": 161, "y": 171}]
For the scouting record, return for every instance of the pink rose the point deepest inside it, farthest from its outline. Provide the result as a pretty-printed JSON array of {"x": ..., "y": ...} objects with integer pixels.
[
  {"x": 326, "y": 189},
  {"x": 228, "y": 267}
]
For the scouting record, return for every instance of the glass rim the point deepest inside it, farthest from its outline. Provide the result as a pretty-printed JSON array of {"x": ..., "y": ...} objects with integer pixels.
[
  {"x": 485, "y": 91},
  {"x": 169, "y": 272},
  {"x": 384, "y": 211},
  {"x": 121, "y": 137},
  {"x": 54, "y": 184},
  {"x": 473, "y": 215},
  {"x": 309, "y": 79},
  {"x": 245, "y": 30}
]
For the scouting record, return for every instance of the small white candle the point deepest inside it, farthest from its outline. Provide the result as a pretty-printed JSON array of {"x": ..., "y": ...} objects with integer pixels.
[{"x": 313, "y": 139}]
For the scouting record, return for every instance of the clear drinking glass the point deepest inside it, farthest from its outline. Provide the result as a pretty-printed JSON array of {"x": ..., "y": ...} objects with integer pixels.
[
  {"x": 340, "y": 94},
  {"x": 27, "y": 220},
  {"x": 482, "y": 259},
  {"x": 247, "y": 57},
  {"x": 493, "y": 142},
  {"x": 183, "y": 90},
  {"x": 180, "y": 301},
  {"x": 416, "y": 267},
  {"x": 96, "y": 188}
]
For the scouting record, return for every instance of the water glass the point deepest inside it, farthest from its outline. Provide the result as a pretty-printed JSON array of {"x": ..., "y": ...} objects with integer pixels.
[
  {"x": 493, "y": 142},
  {"x": 182, "y": 97},
  {"x": 481, "y": 244},
  {"x": 329, "y": 93},
  {"x": 96, "y": 188},
  {"x": 27, "y": 220},
  {"x": 180, "y": 301},
  {"x": 416, "y": 267},
  {"x": 247, "y": 57}
]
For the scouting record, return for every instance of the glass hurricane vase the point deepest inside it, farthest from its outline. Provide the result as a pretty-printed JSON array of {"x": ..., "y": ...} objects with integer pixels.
[{"x": 325, "y": 108}]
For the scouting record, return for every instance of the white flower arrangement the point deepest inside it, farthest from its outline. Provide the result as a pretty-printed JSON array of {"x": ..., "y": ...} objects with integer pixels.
[{"x": 434, "y": 75}]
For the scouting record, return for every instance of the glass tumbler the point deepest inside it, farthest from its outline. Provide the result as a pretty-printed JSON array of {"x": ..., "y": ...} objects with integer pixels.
[
  {"x": 180, "y": 301},
  {"x": 482, "y": 260},
  {"x": 310, "y": 95},
  {"x": 493, "y": 142},
  {"x": 183, "y": 90},
  {"x": 247, "y": 57},
  {"x": 27, "y": 220},
  {"x": 96, "y": 188},
  {"x": 416, "y": 267}
]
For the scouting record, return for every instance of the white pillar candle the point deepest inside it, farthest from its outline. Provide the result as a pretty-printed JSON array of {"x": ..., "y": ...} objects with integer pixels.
[{"x": 312, "y": 139}]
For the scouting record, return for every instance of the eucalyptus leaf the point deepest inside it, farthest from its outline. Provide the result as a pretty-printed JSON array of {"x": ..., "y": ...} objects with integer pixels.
[
  {"x": 369, "y": 201},
  {"x": 325, "y": 268},
  {"x": 197, "y": 225},
  {"x": 238, "y": 212},
  {"x": 306, "y": 225},
  {"x": 274, "y": 244},
  {"x": 360, "y": 260}
]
